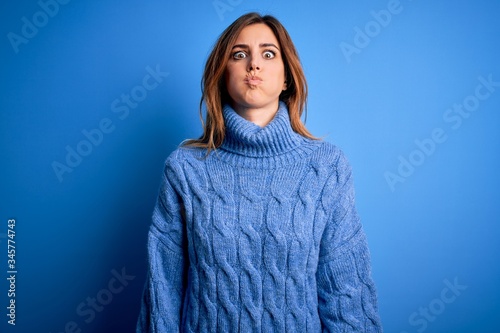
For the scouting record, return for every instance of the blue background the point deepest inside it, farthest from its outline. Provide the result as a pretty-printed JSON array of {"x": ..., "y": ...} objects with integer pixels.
[{"x": 438, "y": 226}]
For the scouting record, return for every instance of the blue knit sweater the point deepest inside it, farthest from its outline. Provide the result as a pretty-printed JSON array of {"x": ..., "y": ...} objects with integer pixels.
[{"x": 260, "y": 236}]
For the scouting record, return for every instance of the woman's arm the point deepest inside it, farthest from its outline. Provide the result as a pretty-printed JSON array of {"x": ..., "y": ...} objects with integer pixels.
[
  {"x": 162, "y": 301},
  {"x": 346, "y": 293}
]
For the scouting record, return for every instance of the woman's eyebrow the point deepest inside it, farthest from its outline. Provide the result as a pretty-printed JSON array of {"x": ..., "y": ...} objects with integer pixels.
[
  {"x": 245, "y": 46},
  {"x": 240, "y": 46},
  {"x": 269, "y": 45}
]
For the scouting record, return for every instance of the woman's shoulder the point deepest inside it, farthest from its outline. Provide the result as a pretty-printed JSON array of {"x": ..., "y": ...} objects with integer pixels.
[
  {"x": 181, "y": 162},
  {"x": 331, "y": 156},
  {"x": 183, "y": 154}
]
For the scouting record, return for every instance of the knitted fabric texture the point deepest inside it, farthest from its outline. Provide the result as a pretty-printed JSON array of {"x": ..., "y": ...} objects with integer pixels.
[{"x": 260, "y": 236}]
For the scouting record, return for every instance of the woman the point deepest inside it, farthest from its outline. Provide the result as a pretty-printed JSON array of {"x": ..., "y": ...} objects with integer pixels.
[{"x": 255, "y": 228}]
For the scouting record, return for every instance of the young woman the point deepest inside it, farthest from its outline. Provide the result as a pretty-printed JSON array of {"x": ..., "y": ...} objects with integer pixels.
[{"x": 255, "y": 228}]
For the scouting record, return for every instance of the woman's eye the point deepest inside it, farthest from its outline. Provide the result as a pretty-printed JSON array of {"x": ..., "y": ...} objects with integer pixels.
[
  {"x": 269, "y": 54},
  {"x": 239, "y": 55}
]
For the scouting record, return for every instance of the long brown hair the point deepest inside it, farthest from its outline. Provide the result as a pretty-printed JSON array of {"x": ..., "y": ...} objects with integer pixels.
[{"x": 214, "y": 90}]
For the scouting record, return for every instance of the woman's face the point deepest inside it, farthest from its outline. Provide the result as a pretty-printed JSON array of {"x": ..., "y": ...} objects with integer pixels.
[{"x": 255, "y": 73}]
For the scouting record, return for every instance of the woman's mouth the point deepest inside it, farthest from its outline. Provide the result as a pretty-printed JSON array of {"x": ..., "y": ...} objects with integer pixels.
[{"x": 253, "y": 80}]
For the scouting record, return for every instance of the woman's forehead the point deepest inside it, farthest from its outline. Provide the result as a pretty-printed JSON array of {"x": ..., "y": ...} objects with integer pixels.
[{"x": 256, "y": 34}]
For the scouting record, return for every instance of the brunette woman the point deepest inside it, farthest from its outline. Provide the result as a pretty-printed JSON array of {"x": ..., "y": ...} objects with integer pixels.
[{"x": 255, "y": 228}]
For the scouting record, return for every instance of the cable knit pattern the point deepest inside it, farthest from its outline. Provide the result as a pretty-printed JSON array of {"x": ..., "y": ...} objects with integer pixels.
[{"x": 260, "y": 236}]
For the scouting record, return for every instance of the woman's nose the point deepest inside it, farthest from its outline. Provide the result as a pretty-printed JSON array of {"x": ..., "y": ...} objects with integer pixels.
[{"x": 253, "y": 64}]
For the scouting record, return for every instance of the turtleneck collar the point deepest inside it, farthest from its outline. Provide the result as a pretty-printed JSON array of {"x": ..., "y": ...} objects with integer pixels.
[
  {"x": 251, "y": 146},
  {"x": 243, "y": 137}
]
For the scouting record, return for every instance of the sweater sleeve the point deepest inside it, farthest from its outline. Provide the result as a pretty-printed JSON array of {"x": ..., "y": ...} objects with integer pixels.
[
  {"x": 162, "y": 301},
  {"x": 346, "y": 293}
]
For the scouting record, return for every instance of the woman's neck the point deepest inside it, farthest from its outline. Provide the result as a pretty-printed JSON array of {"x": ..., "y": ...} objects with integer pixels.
[{"x": 260, "y": 116}]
